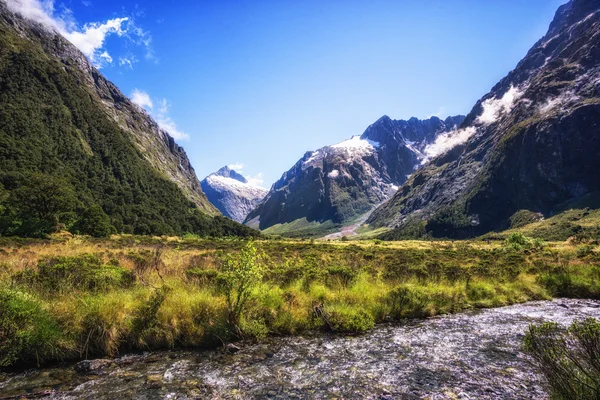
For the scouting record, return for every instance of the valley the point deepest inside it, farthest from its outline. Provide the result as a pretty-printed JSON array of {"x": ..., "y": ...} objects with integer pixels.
[{"x": 438, "y": 258}]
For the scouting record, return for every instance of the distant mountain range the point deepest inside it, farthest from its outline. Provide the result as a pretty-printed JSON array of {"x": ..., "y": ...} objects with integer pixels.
[
  {"x": 78, "y": 155},
  {"x": 330, "y": 187},
  {"x": 532, "y": 143},
  {"x": 231, "y": 193}
]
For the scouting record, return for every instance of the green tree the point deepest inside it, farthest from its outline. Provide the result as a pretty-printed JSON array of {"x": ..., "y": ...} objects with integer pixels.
[
  {"x": 239, "y": 275},
  {"x": 95, "y": 222}
]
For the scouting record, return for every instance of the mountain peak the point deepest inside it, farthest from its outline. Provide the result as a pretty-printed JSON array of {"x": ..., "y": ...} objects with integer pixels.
[{"x": 230, "y": 173}]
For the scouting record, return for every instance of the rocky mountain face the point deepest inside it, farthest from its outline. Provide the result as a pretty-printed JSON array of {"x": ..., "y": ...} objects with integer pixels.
[
  {"x": 532, "y": 143},
  {"x": 231, "y": 193},
  {"x": 106, "y": 160},
  {"x": 157, "y": 147},
  {"x": 341, "y": 182}
]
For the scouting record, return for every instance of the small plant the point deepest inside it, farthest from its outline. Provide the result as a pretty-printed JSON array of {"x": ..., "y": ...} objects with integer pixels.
[
  {"x": 85, "y": 272},
  {"x": 350, "y": 320},
  {"x": 568, "y": 359},
  {"x": 25, "y": 328},
  {"x": 239, "y": 275}
]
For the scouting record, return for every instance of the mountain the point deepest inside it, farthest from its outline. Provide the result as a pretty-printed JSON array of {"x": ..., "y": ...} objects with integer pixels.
[
  {"x": 231, "y": 193},
  {"x": 532, "y": 143},
  {"x": 77, "y": 154},
  {"x": 336, "y": 184}
]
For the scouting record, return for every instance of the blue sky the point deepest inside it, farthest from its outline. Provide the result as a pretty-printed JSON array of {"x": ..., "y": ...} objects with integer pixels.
[{"x": 261, "y": 82}]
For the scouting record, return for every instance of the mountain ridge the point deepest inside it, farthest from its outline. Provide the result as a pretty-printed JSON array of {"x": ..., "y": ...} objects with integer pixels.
[
  {"x": 343, "y": 181},
  {"x": 529, "y": 141},
  {"x": 231, "y": 193}
]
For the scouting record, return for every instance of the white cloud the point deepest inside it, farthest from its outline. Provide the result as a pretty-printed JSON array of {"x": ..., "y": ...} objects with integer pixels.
[
  {"x": 129, "y": 61},
  {"x": 441, "y": 111},
  {"x": 142, "y": 99},
  {"x": 447, "y": 141},
  {"x": 92, "y": 38},
  {"x": 89, "y": 38},
  {"x": 256, "y": 180},
  {"x": 238, "y": 167},
  {"x": 160, "y": 114},
  {"x": 492, "y": 108},
  {"x": 165, "y": 122},
  {"x": 106, "y": 57}
]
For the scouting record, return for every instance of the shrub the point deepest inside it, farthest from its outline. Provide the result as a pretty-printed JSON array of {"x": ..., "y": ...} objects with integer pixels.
[
  {"x": 518, "y": 241},
  {"x": 585, "y": 250},
  {"x": 94, "y": 222},
  {"x": 238, "y": 276},
  {"x": 407, "y": 302},
  {"x": 145, "y": 261},
  {"x": 524, "y": 217},
  {"x": 350, "y": 320},
  {"x": 145, "y": 323},
  {"x": 84, "y": 272},
  {"x": 568, "y": 359},
  {"x": 201, "y": 276},
  {"x": 341, "y": 276},
  {"x": 27, "y": 331}
]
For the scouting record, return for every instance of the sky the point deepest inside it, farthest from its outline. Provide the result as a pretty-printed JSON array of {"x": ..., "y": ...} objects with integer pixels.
[{"x": 255, "y": 84}]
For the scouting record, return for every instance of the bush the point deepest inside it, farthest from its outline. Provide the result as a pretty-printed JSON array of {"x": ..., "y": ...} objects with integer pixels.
[
  {"x": 238, "y": 276},
  {"x": 350, "y": 320},
  {"x": 145, "y": 323},
  {"x": 94, "y": 222},
  {"x": 568, "y": 359},
  {"x": 340, "y": 276},
  {"x": 27, "y": 331},
  {"x": 407, "y": 302},
  {"x": 524, "y": 217},
  {"x": 84, "y": 272},
  {"x": 201, "y": 276}
]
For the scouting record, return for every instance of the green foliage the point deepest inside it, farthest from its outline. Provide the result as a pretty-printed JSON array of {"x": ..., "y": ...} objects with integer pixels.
[
  {"x": 64, "y": 163},
  {"x": 86, "y": 272},
  {"x": 349, "y": 320},
  {"x": 341, "y": 276},
  {"x": 200, "y": 276},
  {"x": 145, "y": 322},
  {"x": 407, "y": 302},
  {"x": 568, "y": 359},
  {"x": 94, "y": 222},
  {"x": 522, "y": 218},
  {"x": 238, "y": 276},
  {"x": 26, "y": 329},
  {"x": 518, "y": 241},
  {"x": 449, "y": 221}
]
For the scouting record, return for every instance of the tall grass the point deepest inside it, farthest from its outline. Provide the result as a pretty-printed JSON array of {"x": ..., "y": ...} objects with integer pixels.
[{"x": 85, "y": 298}]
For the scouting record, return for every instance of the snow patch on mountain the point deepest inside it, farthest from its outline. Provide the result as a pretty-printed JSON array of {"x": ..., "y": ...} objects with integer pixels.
[
  {"x": 334, "y": 174},
  {"x": 232, "y": 193}
]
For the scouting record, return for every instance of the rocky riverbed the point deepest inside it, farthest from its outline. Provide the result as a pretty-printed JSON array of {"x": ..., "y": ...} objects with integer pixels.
[{"x": 472, "y": 355}]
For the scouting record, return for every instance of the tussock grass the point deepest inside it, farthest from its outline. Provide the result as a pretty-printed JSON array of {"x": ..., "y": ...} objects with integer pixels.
[{"x": 77, "y": 298}]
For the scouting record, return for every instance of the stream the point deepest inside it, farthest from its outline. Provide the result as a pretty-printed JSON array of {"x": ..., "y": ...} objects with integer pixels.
[{"x": 471, "y": 355}]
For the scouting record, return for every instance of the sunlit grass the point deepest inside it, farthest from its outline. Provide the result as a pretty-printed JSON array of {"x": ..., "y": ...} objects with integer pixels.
[{"x": 340, "y": 287}]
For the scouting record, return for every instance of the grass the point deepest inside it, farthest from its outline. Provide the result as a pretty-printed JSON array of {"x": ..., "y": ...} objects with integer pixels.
[{"x": 73, "y": 298}]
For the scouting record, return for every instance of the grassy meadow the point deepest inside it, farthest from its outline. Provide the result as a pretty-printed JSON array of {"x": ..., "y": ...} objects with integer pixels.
[{"x": 78, "y": 297}]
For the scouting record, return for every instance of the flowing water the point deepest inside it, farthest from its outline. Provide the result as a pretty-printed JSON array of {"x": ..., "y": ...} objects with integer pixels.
[{"x": 472, "y": 355}]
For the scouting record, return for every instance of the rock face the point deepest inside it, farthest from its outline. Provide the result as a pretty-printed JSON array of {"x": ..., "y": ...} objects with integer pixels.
[
  {"x": 532, "y": 143},
  {"x": 340, "y": 182},
  {"x": 231, "y": 193},
  {"x": 154, "y": 144}
]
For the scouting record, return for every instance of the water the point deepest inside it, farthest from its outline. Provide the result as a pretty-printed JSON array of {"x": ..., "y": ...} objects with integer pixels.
[{"x": 472, "y": 355}]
